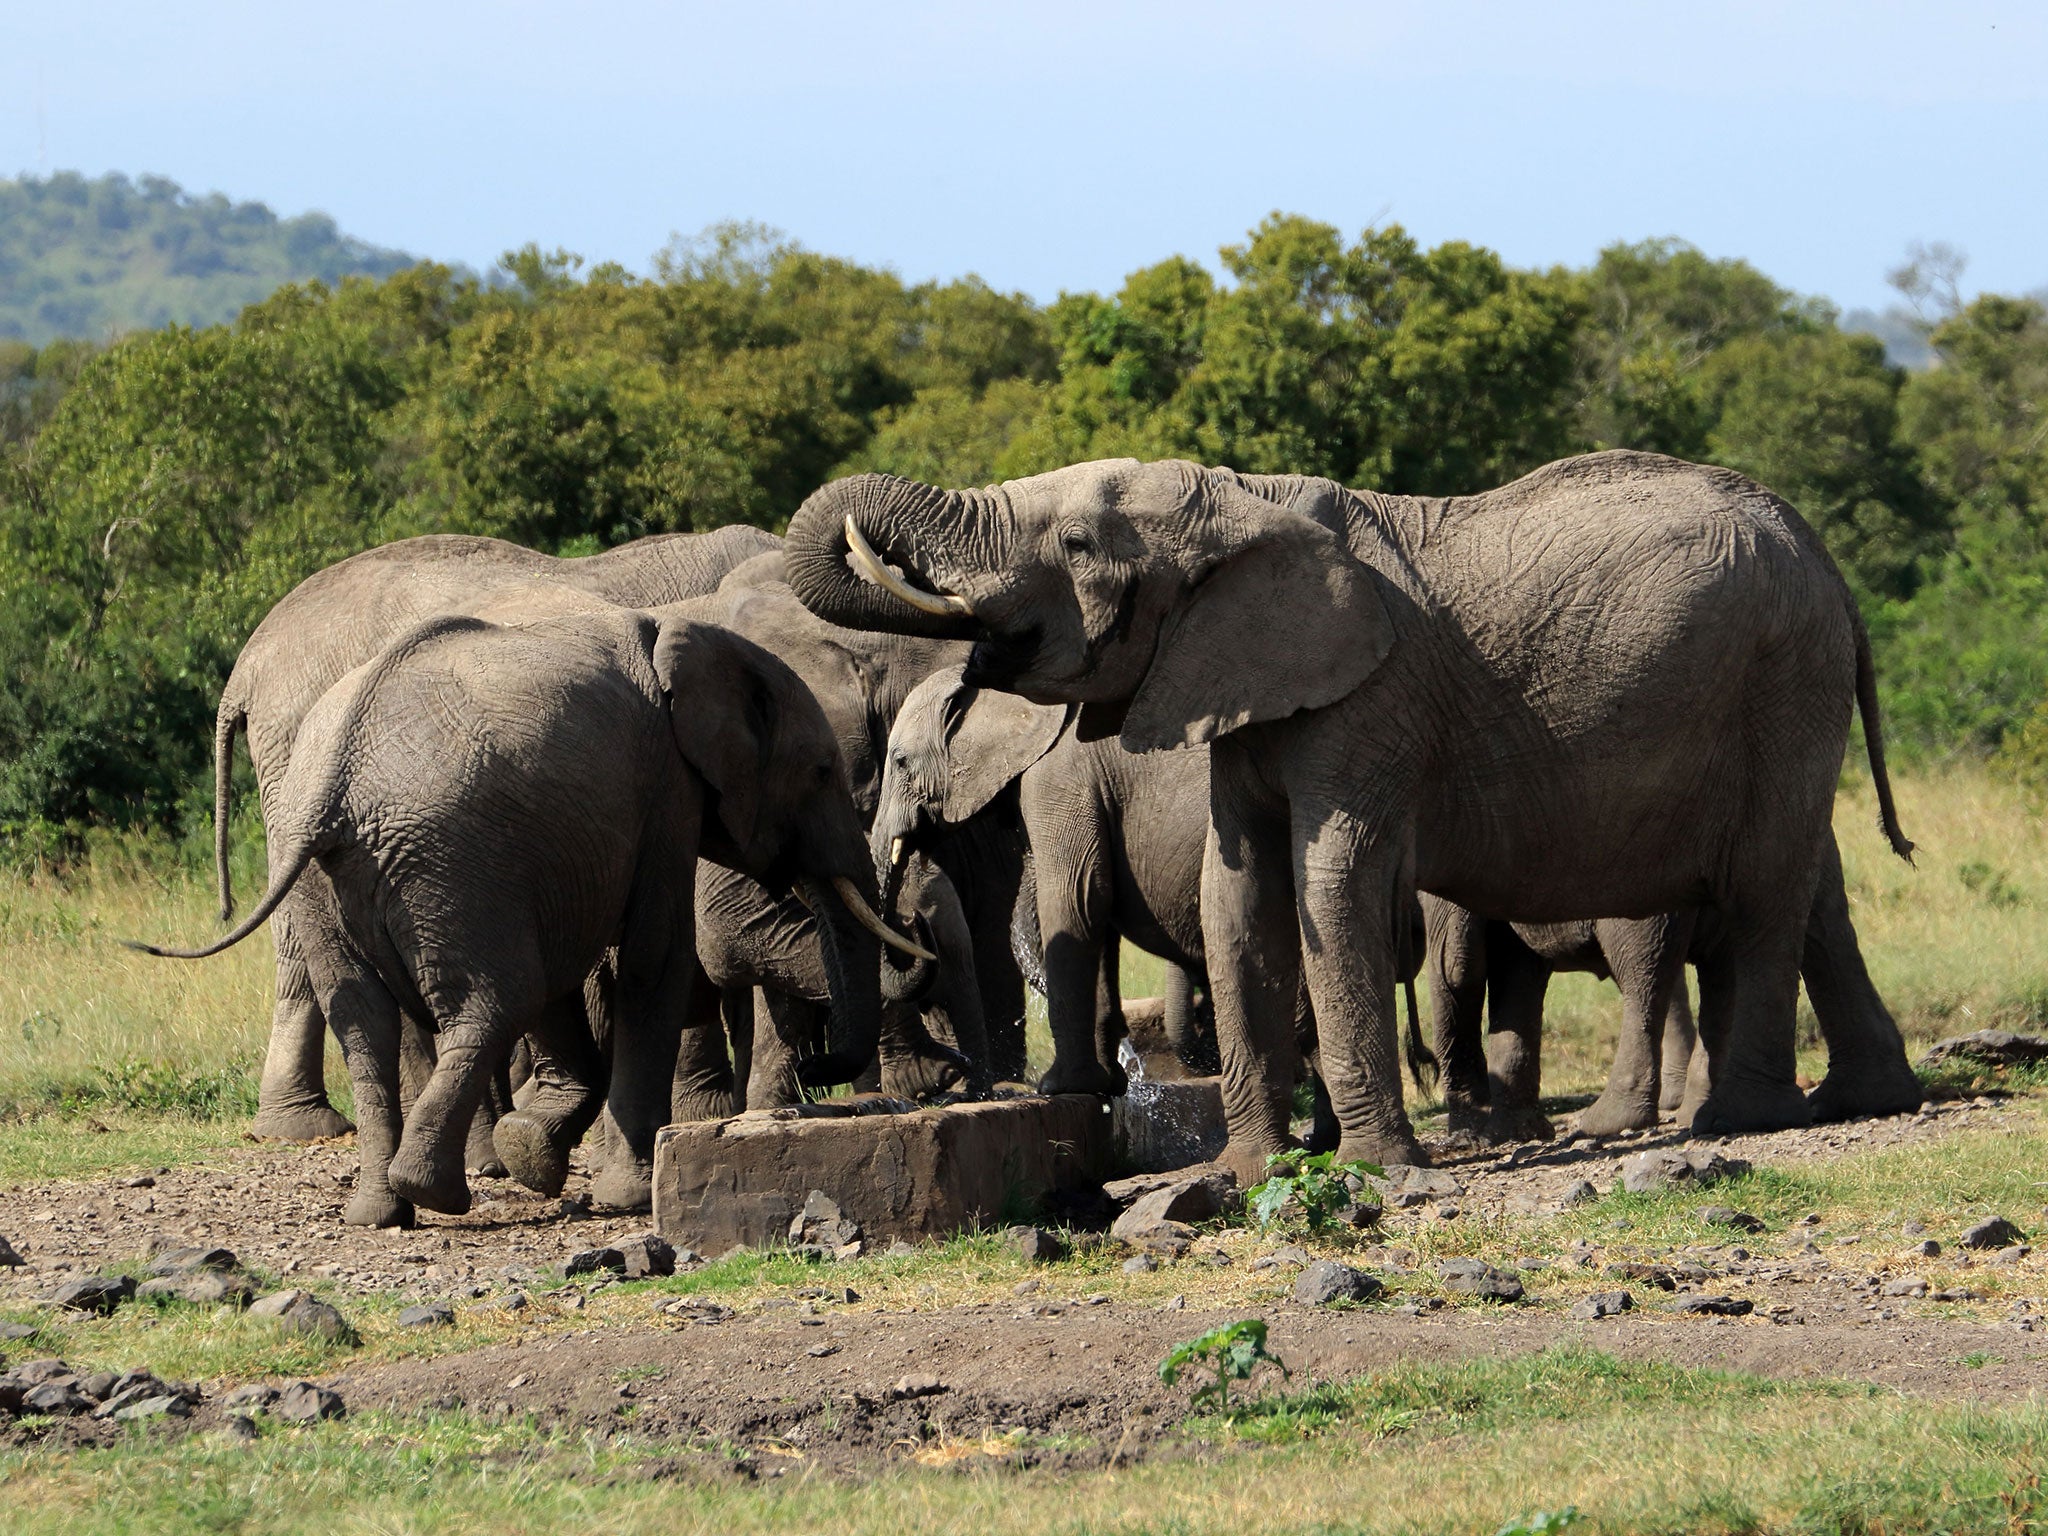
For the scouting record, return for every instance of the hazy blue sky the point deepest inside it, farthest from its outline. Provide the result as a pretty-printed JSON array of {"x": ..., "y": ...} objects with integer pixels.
[{"x": 1061, "y": 143}]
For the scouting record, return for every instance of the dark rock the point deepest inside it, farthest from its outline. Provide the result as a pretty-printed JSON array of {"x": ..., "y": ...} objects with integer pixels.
[
  {"x": 241, "y": 1428},
  {"x": 36, "y": 1372},
  {"x": 1204, "y": 1197},
  {"x": 1995, "y": 1233},
  {"x": 1036, "y": 1245},
  {"x": 1473, "y": 1277},
  {"x": 432, "y": 1314},
  {"x": 1362, "y": 1214},
  {"x": 182, "y": 1261},
  {"x": 1928, "y": 1248},
  {"x": 1580, "y": 1192},
  {"x": 9, "y": 1259},
  {"x": 590, "y": 1261},
  {"x": 1713, "y": 1306},
  {"x": 1666, "y": 1166},
  {"x": 1327, "y": 1281},
  {"x": 255, "y": 1394},
  {"x": 1403, "y": 1180},
  {"x": 512, "y": 1301},
  {"x": 823, "y": 1230},
  {"x": 11, "y": 1394},
  {"x": 302, "y": 1312},
  {"x": 1605, "y": 1304},
  {"x": 303, "y": 1402},
  {"x": 129, "y": 1392},
  {"x": 1906, "y": 1285},
  {"x": 14, "y": 1333},
  {"x": 212, "y": 1287},
  {"x": 98, "y": 1385},
  {"x": 1988, "y": 1047},
  {"x": 162, "y": 1406},
  {"x": 915, "y": 1386},
  {"x": 1725, "y": 1216},
  {"x": 96, "y": 1293},
  {"x": 1646, "y": 1274},
  {"x": 56, "y": 1398},
  {"x": 1140, "y": 1264},
  {"x": 648, "y": 1254}
]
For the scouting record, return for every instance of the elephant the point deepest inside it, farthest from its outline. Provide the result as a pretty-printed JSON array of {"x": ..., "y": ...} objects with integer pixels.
[
  {"x": 1502, "y": 970},
  {"x": 331, "y": 623},
  {"x": 1616, "y": 687},
  {"x": 1116, "y": 846},
  {"x": 499, "y": 807}
]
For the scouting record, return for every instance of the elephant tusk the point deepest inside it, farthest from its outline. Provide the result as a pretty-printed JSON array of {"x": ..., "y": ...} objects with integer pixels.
[
  {"x": 801, "y": 899},
  {"x": 865, "y": 916},
  {"x": 870, "y": 565},
  {"x": 895, "y": 852}
]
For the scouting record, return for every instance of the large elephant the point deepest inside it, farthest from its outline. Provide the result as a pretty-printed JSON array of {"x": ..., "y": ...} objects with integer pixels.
[
  {"x": 498, "y": 806},
  {"x": 331, "y": 623},
  {"x": 1619, "y": 686}
]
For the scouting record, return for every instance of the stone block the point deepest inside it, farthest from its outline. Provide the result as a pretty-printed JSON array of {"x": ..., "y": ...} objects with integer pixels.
[
  {"x": 1163, "y": 1125},
  {"x": 927, "y": 1173}
]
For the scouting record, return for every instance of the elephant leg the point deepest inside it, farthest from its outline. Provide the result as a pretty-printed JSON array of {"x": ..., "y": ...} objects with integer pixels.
[
  {"x": 1517, "y": 981},
  {"x": 703, "y": 1084},
  {"x": 1675, "y": 1057},
  {"x": 366, "y": 1019},
  {"x": 562, "y": 1099},
  {"x": 1073, "y": 904},
  {"x": 1349, "y": 893},
  {"x": 1194, "y": 1045},
  {"x": 1647, "y": 958},
  {"x": 1110, "y": 1029},
  {"x": 1749, "y": 996},
  {"x": 792, "y": 1023},
  {"x": 1253, "y": 944},
  {"x": 291, "y": 1100},
  {"x": 1457, "y": 957},
  {"x": 656, "y": 980},
  {"x": 1868, "y": 1073}
]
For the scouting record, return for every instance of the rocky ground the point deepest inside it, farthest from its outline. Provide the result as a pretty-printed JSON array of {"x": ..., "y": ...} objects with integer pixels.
[{"x": 841, "y": 1363}]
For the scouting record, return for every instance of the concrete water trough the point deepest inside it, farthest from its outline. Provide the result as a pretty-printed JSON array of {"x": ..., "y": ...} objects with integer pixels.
[{"x": 919, "y": 1173}]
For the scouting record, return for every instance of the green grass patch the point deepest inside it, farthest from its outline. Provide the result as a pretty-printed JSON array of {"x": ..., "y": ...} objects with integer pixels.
[{"x": 88, "y": 1145}]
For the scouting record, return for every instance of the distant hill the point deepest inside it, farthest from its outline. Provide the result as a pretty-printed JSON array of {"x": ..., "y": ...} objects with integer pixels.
[{"x": 88, "y": 258}]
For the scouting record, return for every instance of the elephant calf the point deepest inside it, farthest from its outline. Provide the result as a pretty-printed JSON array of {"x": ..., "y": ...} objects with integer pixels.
[{"x": 497, "y": 805}]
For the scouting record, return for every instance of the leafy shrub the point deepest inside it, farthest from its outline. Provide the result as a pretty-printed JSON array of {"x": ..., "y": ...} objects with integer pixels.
[
  {"x": 1315, "y": 1185},
  {"x": 1230, "y": 1353}
]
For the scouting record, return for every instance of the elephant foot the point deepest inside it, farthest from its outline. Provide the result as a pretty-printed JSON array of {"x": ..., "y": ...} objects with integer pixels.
[
  {"x": 414, "y": 1178},
  {"x": 299, "y": 1122},
  {"x": 623, "y": 1188},
  {"x": 1518, "y": 1122},
  {"x": 1671, "y": 1095},
  {"x": 1387, "y": 1149},
  {"x": 1842, "y": 1096},
  {"x": 1465, "y": 1119},
  {"x": 1613, "y": 1113},
  {"x": 1084, "y": 1076},
  {"x": 530, "y": 1154},
  {"x": 480, "y": 1158},
  {"x": 1248, "y": 1162},
  {"x": 1730, "y": 1111},
  {"x": 701, "y": 1106},
  {"x": 915, "y": 1077},
  {"x": 378, "y": 1208}
]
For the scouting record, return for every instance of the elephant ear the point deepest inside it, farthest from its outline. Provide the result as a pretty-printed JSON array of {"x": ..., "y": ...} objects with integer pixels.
[
  {"x": 722, "y": 714},
  {"x": 992, "y": 739},
  {"x": 1285, "y": 618}
]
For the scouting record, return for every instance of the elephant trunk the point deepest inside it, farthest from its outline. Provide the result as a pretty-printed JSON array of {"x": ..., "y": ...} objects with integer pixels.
[
  {"x": 853, "y": 973},
  {"x": 905, "y": 525}
]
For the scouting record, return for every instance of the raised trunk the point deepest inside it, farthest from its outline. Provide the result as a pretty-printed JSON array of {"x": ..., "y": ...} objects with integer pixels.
[{"x": 910, "y": 526}]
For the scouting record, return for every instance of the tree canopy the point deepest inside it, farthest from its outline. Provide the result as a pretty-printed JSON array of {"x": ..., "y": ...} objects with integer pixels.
[{"x": 159, "y": 492}]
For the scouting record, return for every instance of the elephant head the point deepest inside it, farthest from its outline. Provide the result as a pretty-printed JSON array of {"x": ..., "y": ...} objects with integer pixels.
[
  {"x": 1194, "y": 600},
  {"x": 779, "y": 809},
  {"x": 953, "y": 749}
]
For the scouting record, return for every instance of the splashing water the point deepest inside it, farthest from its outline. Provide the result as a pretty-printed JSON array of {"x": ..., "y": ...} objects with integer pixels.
[{"x": 1160, "y": 1124}]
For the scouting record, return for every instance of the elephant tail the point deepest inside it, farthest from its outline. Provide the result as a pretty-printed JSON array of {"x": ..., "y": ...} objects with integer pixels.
[
  {"x": 1873, "y": 740},
  {"x": 232, "y": 717},
  {"x": 1422, "y": 1063},
  {"x": 302, "y": 855}
]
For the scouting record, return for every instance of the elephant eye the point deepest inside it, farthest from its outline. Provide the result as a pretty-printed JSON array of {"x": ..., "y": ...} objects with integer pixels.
[{"x": 1077, "y": 542}]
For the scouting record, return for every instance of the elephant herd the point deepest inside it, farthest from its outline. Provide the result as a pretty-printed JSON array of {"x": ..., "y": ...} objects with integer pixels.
[{"x": 707, "y": 820}]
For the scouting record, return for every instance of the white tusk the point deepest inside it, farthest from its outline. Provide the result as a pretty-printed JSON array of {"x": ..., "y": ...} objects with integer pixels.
[
  {"x": 801, "y": 899},
  {"x": 865, "y": 916},
  {"x": 870, "y": 565},
  {"x": 895, "y": 852}
]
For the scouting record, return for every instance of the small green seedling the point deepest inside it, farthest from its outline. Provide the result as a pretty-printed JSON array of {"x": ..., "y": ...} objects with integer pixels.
[
  {"x": 1232, "y": 1352},
  {"x": 1316, "y": 1184},
  {"x": 1543, "y": 1523}
]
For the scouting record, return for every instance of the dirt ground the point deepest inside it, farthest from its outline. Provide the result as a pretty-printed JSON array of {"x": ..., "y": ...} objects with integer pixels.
[{"x": 838, "y": 1382}]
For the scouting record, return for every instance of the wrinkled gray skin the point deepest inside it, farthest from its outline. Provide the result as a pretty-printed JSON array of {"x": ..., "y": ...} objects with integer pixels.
[
  {"x": 1116, "y": 843},
  {"x": 748, "y": 939},
  {"x": 1619, "y": 686},
  {"x": 330, "y": 624},
  {"x": 496, "y": 807},
  {"x": 1492, "y": 1083}
]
